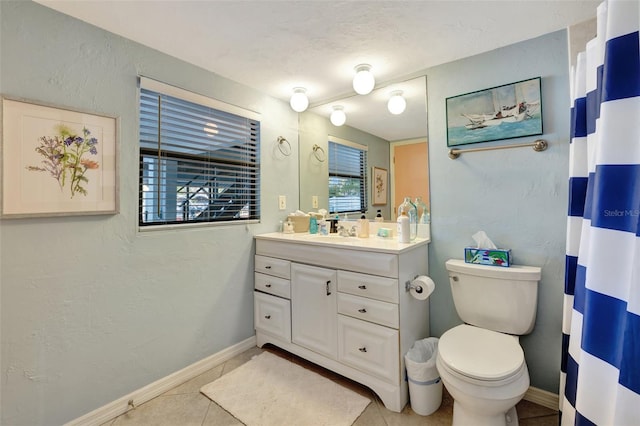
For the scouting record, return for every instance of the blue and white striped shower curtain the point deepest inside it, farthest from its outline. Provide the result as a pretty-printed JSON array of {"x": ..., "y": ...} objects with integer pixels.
[{"x": 600, "y": 371}]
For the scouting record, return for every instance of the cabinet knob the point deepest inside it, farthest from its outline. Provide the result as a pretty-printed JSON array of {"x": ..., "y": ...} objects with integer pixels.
[
  {"x": 267, "y": 316},
  {"x": 362, "y": 287},
  {"x": 362, "y": 349},
  {"x": 362, "y": 310},
  {"x": 267, "y": 285}
]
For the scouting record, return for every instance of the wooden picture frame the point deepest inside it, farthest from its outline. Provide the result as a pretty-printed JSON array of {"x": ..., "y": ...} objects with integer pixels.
[
  {"x": 57, "y": 161},
  {"x": 502, "y": 112},
  {"x": 379, "y": 186}
]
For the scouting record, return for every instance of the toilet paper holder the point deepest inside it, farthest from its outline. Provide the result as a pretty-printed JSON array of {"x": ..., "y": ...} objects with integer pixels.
[{"x": 410, "y": 285}]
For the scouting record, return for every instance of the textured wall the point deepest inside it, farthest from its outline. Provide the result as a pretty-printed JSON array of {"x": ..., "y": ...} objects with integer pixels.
[
  {"x": 518, "y": 196},
  {"x": 91, "y": 308}
]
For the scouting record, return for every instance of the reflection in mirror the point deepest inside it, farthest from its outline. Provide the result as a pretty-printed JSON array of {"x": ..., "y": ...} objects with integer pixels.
[{"x": 369, "y": 123}]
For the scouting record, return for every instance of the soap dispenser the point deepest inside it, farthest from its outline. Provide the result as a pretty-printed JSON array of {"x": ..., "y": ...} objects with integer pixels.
[{"x": 379, "y": 217}]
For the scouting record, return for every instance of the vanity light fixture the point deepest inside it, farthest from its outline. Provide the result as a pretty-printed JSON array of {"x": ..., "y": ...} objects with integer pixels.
[
  {"x": 299, "y": 101},
  {"x": 397, "y": 104},
  {"x": 363, "y": 81},
  {"x": 338, "y": 117}
]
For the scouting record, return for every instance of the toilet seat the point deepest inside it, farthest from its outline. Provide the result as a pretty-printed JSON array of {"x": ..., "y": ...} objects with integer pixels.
[{"x": 480, "y": 354}]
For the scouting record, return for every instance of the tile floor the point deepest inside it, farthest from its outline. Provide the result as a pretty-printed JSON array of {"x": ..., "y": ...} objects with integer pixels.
[{"x": 185, "y": 405}]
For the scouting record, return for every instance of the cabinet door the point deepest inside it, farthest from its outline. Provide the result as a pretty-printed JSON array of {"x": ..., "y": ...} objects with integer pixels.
[{"x": 314, "y": 309}]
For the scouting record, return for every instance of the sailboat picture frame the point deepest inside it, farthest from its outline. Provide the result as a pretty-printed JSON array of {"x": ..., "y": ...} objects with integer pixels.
[{"x": 503, "y": 112}]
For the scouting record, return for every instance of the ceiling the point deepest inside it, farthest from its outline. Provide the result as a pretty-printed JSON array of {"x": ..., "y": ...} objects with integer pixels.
[{"x": 274, "y": 46}]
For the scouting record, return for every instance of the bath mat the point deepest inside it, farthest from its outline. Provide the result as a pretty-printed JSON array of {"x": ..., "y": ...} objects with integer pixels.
[{"x": 269, "y": 390}]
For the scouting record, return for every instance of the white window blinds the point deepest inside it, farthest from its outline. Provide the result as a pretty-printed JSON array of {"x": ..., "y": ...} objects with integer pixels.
[
  {"x": 198, "y": 163},
  {"x": 347, "y": 176}
]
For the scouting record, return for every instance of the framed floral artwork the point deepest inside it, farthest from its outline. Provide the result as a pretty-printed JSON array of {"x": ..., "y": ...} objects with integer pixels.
[
  {"x": 380, "y": 183},
  {"x": 57, "y": 161}
]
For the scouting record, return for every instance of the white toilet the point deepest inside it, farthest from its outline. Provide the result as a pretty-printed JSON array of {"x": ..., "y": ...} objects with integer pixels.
[{"x": 481, "y": 362}]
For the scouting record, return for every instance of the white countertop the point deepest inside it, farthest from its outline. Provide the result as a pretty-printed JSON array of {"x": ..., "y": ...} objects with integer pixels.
[{"x": 373, "y": 243}]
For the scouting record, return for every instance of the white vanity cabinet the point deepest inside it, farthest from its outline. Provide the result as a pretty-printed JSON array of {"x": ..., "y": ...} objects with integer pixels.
[{"x": 349, "y": 309}]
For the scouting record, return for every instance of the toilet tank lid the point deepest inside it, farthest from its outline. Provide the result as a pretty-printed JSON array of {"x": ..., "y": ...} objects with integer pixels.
[
  {"x": 480, "y": 354},
  {"x": 513, "y": 272}
]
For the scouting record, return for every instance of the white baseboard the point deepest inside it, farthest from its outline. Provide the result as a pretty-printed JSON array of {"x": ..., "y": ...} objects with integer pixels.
[
  {"x": 542, "y": 397},
  {"x": 146, "y": 393}
]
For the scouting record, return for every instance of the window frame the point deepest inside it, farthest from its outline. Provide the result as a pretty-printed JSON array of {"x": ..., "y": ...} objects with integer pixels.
[
  {"x": 207, "y": 102},
  {"x": 363, "y": 174}
]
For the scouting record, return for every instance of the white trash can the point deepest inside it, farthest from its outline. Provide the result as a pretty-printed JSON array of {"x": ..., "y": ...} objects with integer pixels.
[{"x": 425, "y": 386}]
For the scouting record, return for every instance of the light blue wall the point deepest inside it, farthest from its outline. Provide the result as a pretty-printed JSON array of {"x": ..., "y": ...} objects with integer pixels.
[
  {"x": 518, "y": 196},
  {"x": 91, "y": 309}
]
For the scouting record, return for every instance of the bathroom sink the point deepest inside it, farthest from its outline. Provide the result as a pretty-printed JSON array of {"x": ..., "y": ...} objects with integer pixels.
[{"x": 333, "y": 238}]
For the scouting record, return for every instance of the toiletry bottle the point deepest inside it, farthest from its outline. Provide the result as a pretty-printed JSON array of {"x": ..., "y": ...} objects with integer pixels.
[
  {"x": 313, "y": 225},
  {"x": 363, "y": 227},
  {"x": 323, "y": 227},
  {"x": 423, "y": 211},
  {"x": 288, "y": 227},
  {"x": 379, "y": 217},
  {"x": 404, "y": 235},
  {"x": 409, "y": 209}
]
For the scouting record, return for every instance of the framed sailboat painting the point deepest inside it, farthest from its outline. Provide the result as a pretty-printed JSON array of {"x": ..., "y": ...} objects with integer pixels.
[{"x": 502, "y": 112}]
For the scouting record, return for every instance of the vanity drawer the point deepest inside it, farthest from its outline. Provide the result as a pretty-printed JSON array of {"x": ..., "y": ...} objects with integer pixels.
[
  {"x": 370, "y": 348},
  {"x": 272, "y": 315},
  {"x": 273, "y": 285},
  {"x": 273, "y": 266},
  {"x": 375, "y": 287},
  {"x": 382, "y": 313}
]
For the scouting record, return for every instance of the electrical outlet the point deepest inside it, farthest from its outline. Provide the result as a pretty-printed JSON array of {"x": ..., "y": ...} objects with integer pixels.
[
  {"x": 282, "y": 202},
  {"x": 314, "y": 201}
]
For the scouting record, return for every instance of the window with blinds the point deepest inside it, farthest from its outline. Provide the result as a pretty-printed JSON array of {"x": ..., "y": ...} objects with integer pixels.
[
  {"x": 347, "y": 176},
  {"x": 199, "y": 158}
]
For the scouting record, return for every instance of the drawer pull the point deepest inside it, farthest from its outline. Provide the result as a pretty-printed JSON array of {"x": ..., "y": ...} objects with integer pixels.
[
  {"x": 362, "y": 349},
  {"x": 328, "y": 288},
  {"x": 268, "y": 267},
  {"x": 362, "y": 310},
  {"x": 267, "y": 316},
  {"x": 362, "y": 287},
  {"x": 267, "y": 285}
]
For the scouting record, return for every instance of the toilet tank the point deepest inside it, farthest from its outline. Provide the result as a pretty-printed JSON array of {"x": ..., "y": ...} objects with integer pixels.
[{"x": 495, "y": 298}]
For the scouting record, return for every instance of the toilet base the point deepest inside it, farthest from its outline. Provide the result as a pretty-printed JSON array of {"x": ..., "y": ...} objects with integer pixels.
[{"x": 461, "y": 417}]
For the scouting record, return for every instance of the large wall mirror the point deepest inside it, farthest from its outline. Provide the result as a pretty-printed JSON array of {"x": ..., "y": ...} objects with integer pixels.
[{"x": 369, "y": 123}]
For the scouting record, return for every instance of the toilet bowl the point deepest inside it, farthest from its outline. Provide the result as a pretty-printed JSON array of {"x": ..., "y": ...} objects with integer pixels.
[
  {"x": 486, "y": 386},
  {"x": 481, "y": 362}
]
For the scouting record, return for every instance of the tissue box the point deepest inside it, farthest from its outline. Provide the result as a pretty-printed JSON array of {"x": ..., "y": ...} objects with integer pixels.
[
  {"x": 493, "y": 257},
  {"x": 300, "y": 223}
]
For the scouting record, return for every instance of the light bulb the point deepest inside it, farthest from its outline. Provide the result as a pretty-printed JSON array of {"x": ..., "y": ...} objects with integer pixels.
[
  {"x": 338, "y": 117},
  {"x": 299, "y": 101},
  {"x": 397, "y": 104},
  {"x": 363, "y": 81}
]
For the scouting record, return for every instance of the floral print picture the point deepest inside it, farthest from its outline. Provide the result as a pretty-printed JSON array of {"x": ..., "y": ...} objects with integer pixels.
[
  {"x": 57, "y": 161},
  {"x": 380, "y": 180},
  {"x": 64, "y": 157}
]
